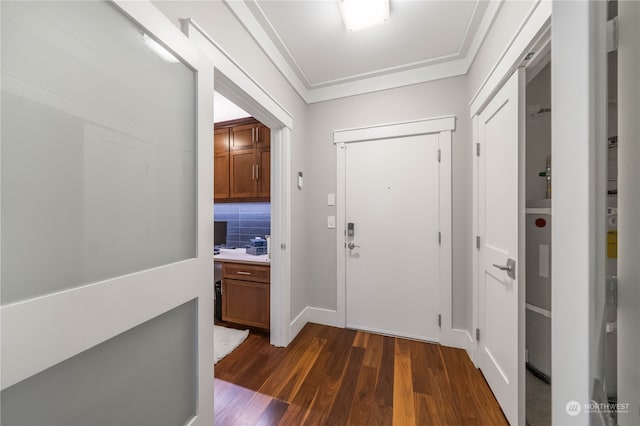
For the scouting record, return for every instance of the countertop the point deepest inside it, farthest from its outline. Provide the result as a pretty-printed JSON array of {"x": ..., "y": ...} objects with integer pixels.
[{"x": 240, "y": 256}]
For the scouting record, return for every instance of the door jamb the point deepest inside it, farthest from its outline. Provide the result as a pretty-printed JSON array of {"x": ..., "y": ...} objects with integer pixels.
[{"x": 444, "y": 126}]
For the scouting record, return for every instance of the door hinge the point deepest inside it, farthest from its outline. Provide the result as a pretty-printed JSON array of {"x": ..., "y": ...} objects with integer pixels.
[
  {"x": 439, "y": 320},
  {"x": 439, "y": 155},
  {"x": 439, "y": 238},
  {"x": 612, "y": 290},
  {"x": 478, "y": 150},
  {"x": 478, "y": 242},
  {"x": 478, "y": 334}
]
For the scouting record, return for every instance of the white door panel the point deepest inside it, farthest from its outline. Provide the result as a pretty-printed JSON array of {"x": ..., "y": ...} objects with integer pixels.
[
  {"x": 392, "y": 273},
  {"x": 500, "y": 300}
]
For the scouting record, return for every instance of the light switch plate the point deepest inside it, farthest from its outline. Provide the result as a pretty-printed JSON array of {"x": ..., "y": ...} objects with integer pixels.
[
  {"x": 331, "y": 199},
  {"x": 331, "y": 222}
]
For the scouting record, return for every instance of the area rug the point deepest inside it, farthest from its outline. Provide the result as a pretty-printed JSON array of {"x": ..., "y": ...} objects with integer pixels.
[{"x": 225, "y": 340}]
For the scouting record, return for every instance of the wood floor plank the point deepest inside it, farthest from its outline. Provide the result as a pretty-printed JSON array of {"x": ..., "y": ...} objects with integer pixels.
[
  {"x": 283, "y": 379},
  {"x": 254, "y": 409},
  {"x": 362, "y": 404},
  {"x": 226, "y": 414},
  {"x": 420, "y": 365},
  {"x": 318, "y": 411},
  {"x": 307, "y": 393},
  {"x": 299, "y": 373},
  {"x": 373, "y": 352},
  {"x": 404, "y": 412},
  {"x": 472, "y": 394},
  {"x": 333, "y": 376},
  {"x": 384, "y": 385},
  {"x": 423, "y": 414},
  {"x": 361, "y": 339},
  {"x": 342, "y": 405},
  {"x": 273, "y": 413}
]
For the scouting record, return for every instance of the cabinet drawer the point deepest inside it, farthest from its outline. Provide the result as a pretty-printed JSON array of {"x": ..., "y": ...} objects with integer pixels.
[{"x": 238, "y": 271}]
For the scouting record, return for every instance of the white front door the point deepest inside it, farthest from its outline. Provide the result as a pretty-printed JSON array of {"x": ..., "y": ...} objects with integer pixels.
[
  {"x": 106, "y": 217},
  {"x": 392, "y": 250},
  {"x": 500, "y": 219}
]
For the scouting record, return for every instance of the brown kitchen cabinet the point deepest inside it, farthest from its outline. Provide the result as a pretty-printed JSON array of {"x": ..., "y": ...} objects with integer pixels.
[
  {"x": 246, "y": 294},
  {"x": 221, "y": 164},
  {"x": 249, "y": 162}
]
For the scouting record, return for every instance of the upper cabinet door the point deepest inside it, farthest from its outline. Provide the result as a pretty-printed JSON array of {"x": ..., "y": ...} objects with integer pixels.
[
  {"x": 221, "y": 164},
  {"x": 244, "y": 137},
  {"x": 264, "y": 173},
  {"x": 221, "y": 140},
  {"x": 264, "y": 136}
]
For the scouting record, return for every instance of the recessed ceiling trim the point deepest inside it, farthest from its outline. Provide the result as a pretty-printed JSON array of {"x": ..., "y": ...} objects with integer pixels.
[
  {"x": 469, "y": 24},
  {"x": 390, "y": 81},
  {"x": 488, "y": 19},
  {"x": 391, "y": 70},
  {"x": 254, "y": 28},
  {"x": 280, "y": 45},
  {"x": 374, "y": 81}
]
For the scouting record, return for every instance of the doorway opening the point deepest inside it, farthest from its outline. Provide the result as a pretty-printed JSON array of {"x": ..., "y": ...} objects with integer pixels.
[
  {"x": 538, "y": 216},
  {"x": 242, "y": 218}
]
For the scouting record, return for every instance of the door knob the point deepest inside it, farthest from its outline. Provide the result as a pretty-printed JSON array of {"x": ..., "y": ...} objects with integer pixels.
[
  {"x": 352, "y": 245},
  {"x": 510, "y": 267}
]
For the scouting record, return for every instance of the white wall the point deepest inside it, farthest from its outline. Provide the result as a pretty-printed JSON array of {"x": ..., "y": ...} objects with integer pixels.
[
  {"x": 216, "y": 19},
  {"x": 438, "y": 98},
  {"x": 538, "y": 137},
  {"x": 510, "y": 17},
  {"x": 314, "y": 247}
]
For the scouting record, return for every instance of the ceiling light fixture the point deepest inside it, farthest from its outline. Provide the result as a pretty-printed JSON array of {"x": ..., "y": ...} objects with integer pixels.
[{"x": 360, "y": 14}]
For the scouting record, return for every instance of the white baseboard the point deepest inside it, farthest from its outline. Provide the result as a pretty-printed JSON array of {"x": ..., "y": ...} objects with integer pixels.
[
  {"x": 394, "y": 333},
  {"x": 315, "y": 315}
]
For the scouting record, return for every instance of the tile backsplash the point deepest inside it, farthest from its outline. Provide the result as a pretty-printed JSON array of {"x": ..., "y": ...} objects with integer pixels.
[{"x": 244, "y": 221}]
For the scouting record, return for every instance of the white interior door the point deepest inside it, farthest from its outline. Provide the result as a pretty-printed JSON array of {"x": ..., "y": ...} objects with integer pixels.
[
  {"x": 106, "y": 217},
  {"x": 500, "y": 219},
  {"x": 392, "y": 250}
]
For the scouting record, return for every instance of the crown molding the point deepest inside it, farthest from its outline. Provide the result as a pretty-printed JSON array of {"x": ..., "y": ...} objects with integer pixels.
[
  {"x": 253, "y": 27},
  {"x": 356, "y": 85}
]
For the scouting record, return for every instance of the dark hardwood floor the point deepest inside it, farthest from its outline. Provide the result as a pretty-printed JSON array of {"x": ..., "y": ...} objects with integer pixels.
[{"x": 333, "y": 376}]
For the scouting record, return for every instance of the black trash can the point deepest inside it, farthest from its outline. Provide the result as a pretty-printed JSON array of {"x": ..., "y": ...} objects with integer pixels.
[{"x": 218, "y": 307}]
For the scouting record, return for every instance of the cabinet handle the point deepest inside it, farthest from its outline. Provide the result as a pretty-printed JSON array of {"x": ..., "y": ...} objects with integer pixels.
[
  {"x": 253, "y": 172},
  {"x": 243, "y": 273},
  {"x": 257, "y": 171}
]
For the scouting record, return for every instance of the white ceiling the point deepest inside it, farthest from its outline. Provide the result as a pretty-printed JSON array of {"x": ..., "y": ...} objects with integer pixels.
[
  {"x": 313, "y": 38},
  {"x": 224, "y": 109},
  {"x": 422, "y": 40}
]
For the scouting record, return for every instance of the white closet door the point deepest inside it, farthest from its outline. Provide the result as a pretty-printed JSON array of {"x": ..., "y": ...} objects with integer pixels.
[{"x": 500, "y": 218}]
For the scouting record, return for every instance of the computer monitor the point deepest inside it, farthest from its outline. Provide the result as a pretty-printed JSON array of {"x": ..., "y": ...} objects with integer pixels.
[{"x": 219, "y": 233}]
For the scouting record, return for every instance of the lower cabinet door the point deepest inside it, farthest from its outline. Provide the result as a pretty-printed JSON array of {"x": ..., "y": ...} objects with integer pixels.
[{"x": 245, "y": 302}]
